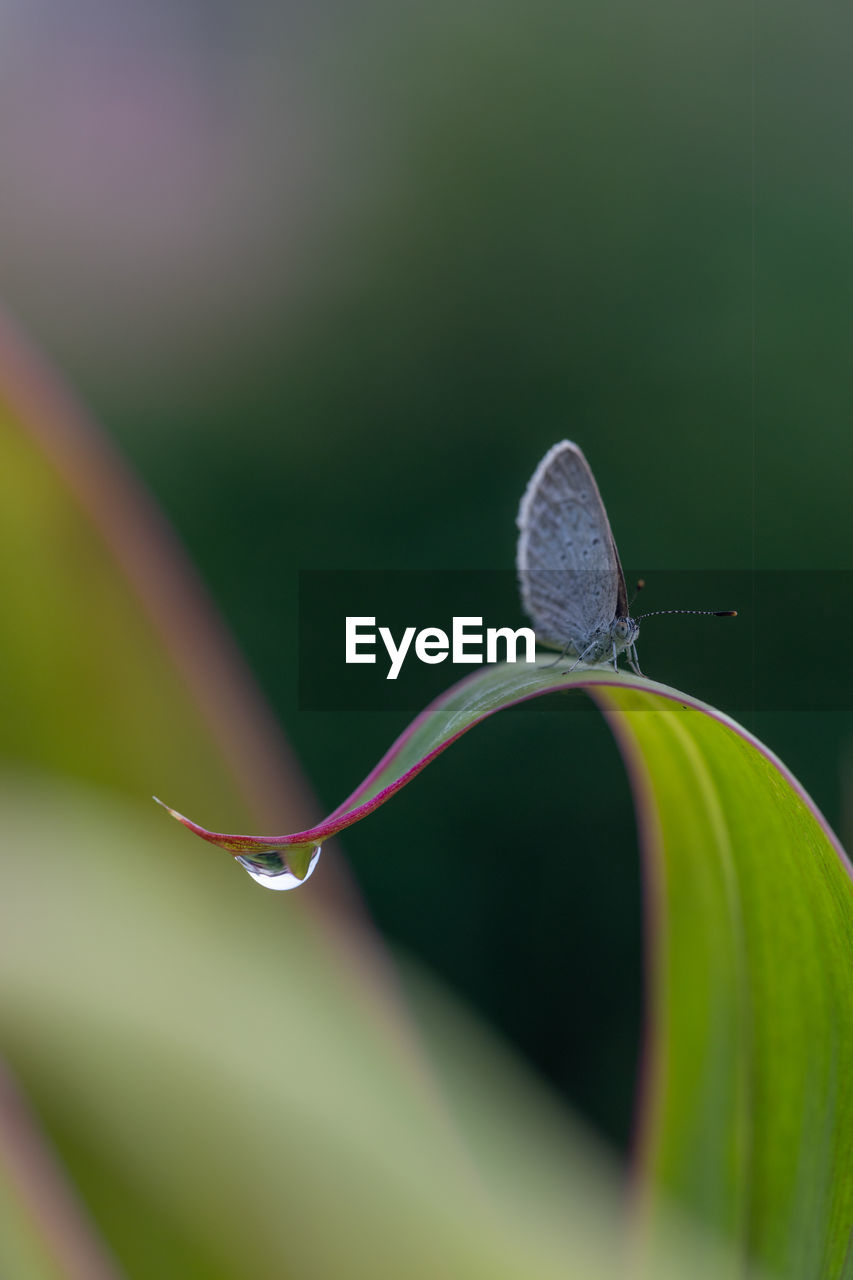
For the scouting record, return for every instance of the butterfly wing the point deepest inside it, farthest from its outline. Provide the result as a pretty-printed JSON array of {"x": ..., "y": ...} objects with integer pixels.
[{"x": 569, "y": 571}]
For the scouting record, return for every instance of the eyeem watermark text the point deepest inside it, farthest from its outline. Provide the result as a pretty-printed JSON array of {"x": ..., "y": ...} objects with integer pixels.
[{"x": 467, "y": 643}]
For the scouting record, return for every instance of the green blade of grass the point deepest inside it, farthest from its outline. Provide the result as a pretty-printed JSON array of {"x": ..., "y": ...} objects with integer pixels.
[
  {"x": 748, "y": 1110},
  {"x": 747, "y": 1117}
]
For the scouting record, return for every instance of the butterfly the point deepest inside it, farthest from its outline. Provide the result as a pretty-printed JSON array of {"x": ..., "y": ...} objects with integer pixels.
[{"x": 571, "y": 577}]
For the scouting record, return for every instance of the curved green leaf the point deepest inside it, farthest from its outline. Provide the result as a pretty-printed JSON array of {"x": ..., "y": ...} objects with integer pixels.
[
  {"x": 231, "y": 1096},
  {"x": 747, "y": 1115},
  {"x": 748, "y": 1108}
]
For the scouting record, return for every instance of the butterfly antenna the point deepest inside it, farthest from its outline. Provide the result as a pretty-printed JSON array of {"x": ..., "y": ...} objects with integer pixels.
[
  {"x": 711, "y": 613},
  {"x": 641, "y": 582}
]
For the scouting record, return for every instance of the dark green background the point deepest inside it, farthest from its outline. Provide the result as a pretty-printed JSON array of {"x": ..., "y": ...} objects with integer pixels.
[{"x": 335, "y": 278}]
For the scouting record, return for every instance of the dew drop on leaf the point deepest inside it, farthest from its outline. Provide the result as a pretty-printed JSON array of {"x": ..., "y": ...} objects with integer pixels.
[{"x": 270, "y": 868}]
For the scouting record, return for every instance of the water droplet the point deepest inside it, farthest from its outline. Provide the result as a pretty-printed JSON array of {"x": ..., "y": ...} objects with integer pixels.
[{"x": 270, "y": 869}]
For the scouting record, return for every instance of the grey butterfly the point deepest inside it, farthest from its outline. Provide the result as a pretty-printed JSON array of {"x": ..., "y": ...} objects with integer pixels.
[{"x": 571, "y": 579}]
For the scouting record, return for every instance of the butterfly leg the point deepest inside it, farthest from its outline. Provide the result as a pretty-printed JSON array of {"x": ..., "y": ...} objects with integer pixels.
[
  {"x": 589, "y": 648},
  {"x": 559, "y": 658},
  {"x": 634, "y": 660}
]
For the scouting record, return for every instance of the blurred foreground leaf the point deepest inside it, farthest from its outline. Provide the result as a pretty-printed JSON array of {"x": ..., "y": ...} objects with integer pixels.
[
  {"x": 224, "y": 1101},
  {"x": 230, "y": 1079},
  {"x": 115, "y": 668},
  {"x": 747, "y": 1114}
]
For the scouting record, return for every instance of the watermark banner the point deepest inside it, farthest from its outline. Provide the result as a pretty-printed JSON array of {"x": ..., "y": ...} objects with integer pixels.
[{"x": 372, "y": 640}]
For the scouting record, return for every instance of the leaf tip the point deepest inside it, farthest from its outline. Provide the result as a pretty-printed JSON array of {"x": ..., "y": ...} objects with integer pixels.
[{"x": 179, "y": 817}]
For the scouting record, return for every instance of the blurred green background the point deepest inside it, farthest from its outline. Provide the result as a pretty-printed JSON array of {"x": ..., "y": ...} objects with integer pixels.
[{"x": 334, "y": 277}]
